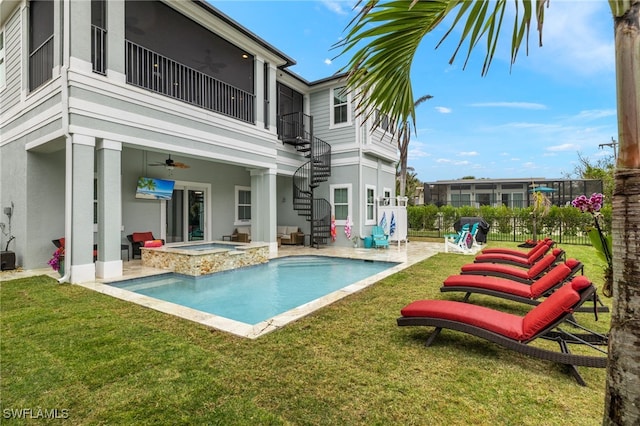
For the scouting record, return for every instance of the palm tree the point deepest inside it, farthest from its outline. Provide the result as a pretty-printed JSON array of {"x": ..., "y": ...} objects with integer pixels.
[
  {"x": 404, "y": 136},
  {"x": 383, "y": 38}
]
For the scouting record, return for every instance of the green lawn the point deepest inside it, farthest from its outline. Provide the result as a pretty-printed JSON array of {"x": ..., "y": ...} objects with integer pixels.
[{"x": 107, "y": 361}]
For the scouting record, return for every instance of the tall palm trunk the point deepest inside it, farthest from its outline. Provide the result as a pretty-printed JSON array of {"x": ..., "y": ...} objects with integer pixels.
[{"x": 622, "y": 400}]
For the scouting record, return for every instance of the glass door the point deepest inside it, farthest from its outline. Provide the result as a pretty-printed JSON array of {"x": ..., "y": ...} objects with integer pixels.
[{"x": 186, "y": 215}]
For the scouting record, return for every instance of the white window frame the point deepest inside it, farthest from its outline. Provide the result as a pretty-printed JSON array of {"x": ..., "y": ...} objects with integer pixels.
[
  {"x": 332, "y": 189},
  {"x": 332, "y": 123},
  {"x": 3, "y": 67},
  {"x": 236, "y": 220},
  {"x": 370, "y": 220}
]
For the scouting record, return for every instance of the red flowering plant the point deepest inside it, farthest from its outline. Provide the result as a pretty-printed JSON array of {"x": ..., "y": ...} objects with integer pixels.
[
  {"x": 56, "y": 259},
  {"x": 601, "y": 242}
]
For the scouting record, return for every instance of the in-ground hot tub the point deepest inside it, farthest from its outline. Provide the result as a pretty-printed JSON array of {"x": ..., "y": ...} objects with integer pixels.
[{"x": 203, "y": 258}]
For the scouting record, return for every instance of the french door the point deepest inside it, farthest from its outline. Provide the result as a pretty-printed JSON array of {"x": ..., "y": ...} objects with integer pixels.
[{"x": 186, "y": 214}]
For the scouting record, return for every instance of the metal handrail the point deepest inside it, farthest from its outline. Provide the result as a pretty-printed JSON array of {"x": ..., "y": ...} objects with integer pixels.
[{"x": 157, "y": 73}]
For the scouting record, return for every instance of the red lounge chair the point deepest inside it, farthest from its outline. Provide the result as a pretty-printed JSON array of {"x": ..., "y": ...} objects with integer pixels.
[
  {"x": 59, "y": 243},
  {"x": 516, "y": 332},
  {"x": 515, "y": 273},
  {"x": 546, "y": 241},
  {"x": 517, "y": 291},
  {"x": 512, "y": 259}
]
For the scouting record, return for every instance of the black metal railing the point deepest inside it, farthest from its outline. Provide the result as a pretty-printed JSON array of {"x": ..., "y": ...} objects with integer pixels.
[
  {"x": 516, "y": 229},
  {"x": 41, "y": 64},
  {"x": 99, "y": 49},
  {"x": 152, "y": 71}
]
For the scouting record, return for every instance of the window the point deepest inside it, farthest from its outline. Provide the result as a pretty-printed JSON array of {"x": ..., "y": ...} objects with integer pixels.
[
  {"x": 339, "y": 106},
  {"x": 458, "y": 200},
  {"x": 382, "y": 122},
  {"x": 243, "y": 204},
  {"x": 371, "y": 203},
  {"x": 2, "y": 78},
  {"x": 341, "y": 202},
  {"x": 40, "y": 43}
]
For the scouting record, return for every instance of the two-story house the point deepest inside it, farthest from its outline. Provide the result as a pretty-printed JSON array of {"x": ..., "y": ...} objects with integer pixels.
[{"x": 97, "y": 94}]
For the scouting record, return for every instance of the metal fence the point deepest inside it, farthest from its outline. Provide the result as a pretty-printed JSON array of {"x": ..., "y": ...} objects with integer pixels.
[
  {"x": 517, "y": 229},
  {"x": 41, "y": 64}
]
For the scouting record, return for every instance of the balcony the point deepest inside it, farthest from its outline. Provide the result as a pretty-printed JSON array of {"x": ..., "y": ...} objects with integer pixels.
[
  {"x": 41, "y": 64},
  {"x": 152, "y": 71}
]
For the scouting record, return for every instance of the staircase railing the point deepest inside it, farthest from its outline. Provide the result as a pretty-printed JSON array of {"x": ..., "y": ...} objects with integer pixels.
[{"x": 297, "y": 129}]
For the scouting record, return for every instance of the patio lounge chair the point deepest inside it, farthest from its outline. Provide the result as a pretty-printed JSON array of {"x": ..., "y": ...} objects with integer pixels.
[
  {"x": 513, "y": 259},
  {"x": 516, "y": 332},
  {"x": 517, "y": 291},
  {"x": 379, "y": 239},
  {"x": 502, "y": 250},
  {"x": 515, "y": 273}
]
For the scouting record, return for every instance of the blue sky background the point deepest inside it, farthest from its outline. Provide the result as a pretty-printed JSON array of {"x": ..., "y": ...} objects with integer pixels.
[{"x": 528, "y": 121}]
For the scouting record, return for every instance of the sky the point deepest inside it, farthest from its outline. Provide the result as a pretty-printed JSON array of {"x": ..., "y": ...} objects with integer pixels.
[{"x": 530, "y": 120}]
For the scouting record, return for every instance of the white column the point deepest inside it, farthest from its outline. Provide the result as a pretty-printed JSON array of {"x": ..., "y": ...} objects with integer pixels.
[
  {"x": 109, "y": 264},
  {"x": 82, "y": 266},
  {"x": 273, "y": 96},
  {"x": 258, "y": 79},
  {"x": 263, "y": 207}
]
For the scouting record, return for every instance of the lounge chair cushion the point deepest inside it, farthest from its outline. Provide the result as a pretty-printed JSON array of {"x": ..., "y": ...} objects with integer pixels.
[
  {"x": 549, "y": 280},
  {"x": 493, "y": 283},
  {"x": 499, "y": 322},
  {"x": 140, "y": 237},
  {"x": 153, "y": 243},
  {"x": 559, "y": 303}
]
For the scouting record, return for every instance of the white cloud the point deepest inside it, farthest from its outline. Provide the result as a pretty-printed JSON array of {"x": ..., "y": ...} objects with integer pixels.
[
  {"x": 339, "y": 7},
  {"x": 520, "y": 105},
  {"x": 577, "y": 38},
  {"x": 595, "y": 114},
  {"x": 468, "y": 153},
  {"x": 417, "y": 150},
  {"x": 443, "y": 110},
  {"x": 564, "y": 147},
  {"x": 327, "y": 61}
]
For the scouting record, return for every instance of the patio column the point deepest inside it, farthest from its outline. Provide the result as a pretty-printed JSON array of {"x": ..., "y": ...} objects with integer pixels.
[
  {"x": 259, "y": 85},
  {"x": 82, "y": 267},
  {"x": 263, "y": 207},
  {"x": 109, "y": 264}
]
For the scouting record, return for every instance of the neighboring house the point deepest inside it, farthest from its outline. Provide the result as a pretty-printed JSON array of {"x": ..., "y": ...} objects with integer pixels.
[
  {"x": 96, "y": 94},
  {"x": 508, "y": 192}
]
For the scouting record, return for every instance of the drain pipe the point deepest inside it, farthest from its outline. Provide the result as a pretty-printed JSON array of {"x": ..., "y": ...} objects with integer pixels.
[
  {"x": 68, "y": 177},
  {"x": 362, "y": 136}
]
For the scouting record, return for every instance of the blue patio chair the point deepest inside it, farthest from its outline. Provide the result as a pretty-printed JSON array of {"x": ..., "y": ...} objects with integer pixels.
[{"x": 379, "y": 238}]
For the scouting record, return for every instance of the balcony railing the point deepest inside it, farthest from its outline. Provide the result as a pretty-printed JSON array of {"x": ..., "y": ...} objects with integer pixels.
[
  {"x": 41, "y": 64},
  {"x": 152, "y": 71},
  {"x": 99, "y": 49}
]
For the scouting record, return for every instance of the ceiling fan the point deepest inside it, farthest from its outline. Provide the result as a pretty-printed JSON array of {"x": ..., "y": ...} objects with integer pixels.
[{"x": 170, "y": 164}]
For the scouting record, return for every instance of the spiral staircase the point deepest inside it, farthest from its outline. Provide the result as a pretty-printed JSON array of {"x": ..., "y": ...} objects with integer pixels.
[{"x": 296, "y": 129}]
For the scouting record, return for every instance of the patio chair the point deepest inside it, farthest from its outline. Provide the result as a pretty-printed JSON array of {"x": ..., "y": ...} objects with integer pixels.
[
  {"x": 515, "y": 273},
  {"x": 379, "y": 238},
  {"x": 59, "y": 243},
  {"x": 461, "y": 242},
  {"x": 513, "y": 259},
  {"x": 137, "y": 240},
  {"x": 502, "y": 250},
  {"x": 516, "y": 332}
]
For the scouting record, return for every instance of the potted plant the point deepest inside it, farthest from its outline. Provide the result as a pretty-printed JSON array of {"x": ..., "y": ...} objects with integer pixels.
[{"x": 57, "y": 260}]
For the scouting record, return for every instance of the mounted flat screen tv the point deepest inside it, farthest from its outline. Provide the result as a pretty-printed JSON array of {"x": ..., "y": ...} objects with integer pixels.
[{"x": 154, "y": 189}]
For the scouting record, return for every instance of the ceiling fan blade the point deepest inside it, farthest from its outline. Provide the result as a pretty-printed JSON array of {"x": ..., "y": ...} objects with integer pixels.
[{"x": 181, "y": 165}]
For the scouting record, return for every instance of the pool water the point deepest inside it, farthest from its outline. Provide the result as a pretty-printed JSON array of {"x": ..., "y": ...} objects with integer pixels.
[{"x": 257, "y": 293}]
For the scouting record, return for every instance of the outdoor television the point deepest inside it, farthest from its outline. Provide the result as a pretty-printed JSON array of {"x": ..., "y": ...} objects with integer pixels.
[{"x": 154, "y": 189}]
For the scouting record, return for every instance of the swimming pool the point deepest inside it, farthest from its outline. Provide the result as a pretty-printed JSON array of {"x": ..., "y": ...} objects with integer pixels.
[{"x": 263, "y": 295}]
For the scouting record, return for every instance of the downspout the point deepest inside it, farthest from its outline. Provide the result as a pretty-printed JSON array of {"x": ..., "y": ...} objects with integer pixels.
[
  {"x": 68, "y": 178},
  {"x": 362, "y": 137}
]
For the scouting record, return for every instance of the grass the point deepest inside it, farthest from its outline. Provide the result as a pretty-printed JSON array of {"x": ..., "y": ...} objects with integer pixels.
[{"x": 107, "y": 361}]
